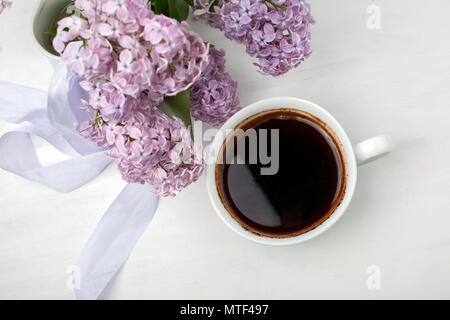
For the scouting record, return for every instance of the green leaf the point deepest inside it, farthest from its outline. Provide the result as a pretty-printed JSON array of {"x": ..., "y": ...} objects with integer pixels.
[
  {"x": 183, "y": 9},
  {"x": 179, "y": 106},
  {"x": 52, "y": 31},
  {"x": 160, "y": 7},
  {"x": 190, "y": 2},
  {"x": 178, "y": 9}
]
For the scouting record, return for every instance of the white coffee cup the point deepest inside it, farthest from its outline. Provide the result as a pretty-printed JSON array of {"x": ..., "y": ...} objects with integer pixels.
[{"x": 361, "y": 153}]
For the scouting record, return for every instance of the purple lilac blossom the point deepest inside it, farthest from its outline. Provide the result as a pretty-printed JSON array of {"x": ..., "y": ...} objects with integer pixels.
[
  {"x": 130, "y": 60},
  {"x": 151, "y": 148},
  {"x": 123, "y": 51},
  {"x": 4, "y": 4},
  {"x": 275, "y": 32},
  {"x": 213, "y": 96}
]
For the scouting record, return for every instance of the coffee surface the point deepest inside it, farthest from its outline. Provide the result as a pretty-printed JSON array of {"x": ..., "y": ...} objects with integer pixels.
[{"x": 303, "y": 193}]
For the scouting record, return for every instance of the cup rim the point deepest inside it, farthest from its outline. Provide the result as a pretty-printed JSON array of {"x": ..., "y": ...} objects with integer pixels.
[
  {"x": 48, "y": 54},
  {"x": 271, "y": 104}
]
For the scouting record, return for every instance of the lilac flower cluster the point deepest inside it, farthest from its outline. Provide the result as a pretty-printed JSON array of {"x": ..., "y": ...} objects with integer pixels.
[
  {"x": 125, "y": 52},
  {"x": 213, "y": 96},
  {"x": 151, "y": 148},
  {"x": 130, "y": 59},
  {"x": 276, "y": 32},
  {"x": 4, "y": 4}
]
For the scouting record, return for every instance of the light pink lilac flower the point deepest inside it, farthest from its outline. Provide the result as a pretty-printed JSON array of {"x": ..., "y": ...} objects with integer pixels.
[
  {"x": 125, "y": 51},
  {"x": 130, "y": 59},
  {"x": 151, "y": 148},
  {"x": 213, "y": 96},
  {"x": 275, "y": 32},
  {"x": 4, "y": 4}
]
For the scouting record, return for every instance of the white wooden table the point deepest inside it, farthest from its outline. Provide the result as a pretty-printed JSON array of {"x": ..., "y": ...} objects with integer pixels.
[{"x": 393, "y": 80}]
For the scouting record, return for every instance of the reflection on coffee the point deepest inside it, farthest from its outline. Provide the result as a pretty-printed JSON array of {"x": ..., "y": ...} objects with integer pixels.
[{"x": 307, "y": 187}]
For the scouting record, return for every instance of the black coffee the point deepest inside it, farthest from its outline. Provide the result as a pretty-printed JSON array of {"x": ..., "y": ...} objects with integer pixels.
[{"x": 308, "y": 186}]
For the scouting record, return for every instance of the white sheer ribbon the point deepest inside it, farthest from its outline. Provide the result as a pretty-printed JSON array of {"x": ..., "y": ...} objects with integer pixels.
[{"x": 51, "y": 116}]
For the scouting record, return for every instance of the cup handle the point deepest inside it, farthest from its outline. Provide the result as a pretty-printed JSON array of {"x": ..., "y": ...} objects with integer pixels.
[{"x": 373, "y": 148}]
